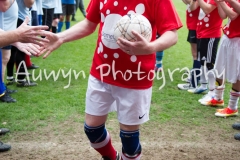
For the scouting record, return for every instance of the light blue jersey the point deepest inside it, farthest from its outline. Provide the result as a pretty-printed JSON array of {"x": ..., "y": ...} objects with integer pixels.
[
  {"x": 23, "y": 11},
  {"x": 48, "y": 4},
  {"x": 34, "y": 6},
  {"x": 39, "y": 7},
  {"x": 9, "y": 18},
  {"x": 58, "y": 9}
]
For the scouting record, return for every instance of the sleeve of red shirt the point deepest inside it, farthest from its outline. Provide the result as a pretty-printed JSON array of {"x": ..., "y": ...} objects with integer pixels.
[
  {"x": 167, "y": 18},
  {"x": 93, "y": 11}
]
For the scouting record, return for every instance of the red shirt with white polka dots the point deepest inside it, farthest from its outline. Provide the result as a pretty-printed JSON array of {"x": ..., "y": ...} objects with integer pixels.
[
  {"x": 232, "y": 28},
  {"x": 192, "y": 18},
  {"x": 110, "y": 64},
  {"x": 209, "y": 26}
]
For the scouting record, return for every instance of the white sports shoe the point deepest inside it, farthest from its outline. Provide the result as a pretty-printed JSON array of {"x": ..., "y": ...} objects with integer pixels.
[
  {"x": 185, "y": 86},
  {"x": 206, "y": 97},
  {"x": 197, "y": 90}
]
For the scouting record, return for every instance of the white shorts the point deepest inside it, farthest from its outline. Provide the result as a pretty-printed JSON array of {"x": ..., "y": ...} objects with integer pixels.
[
  {"x": 228, "y": 58},
  {"x": 132, "y": 105}
]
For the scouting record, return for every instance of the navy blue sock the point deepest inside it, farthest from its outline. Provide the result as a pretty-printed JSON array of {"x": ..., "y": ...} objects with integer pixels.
[
  {"x": 159, "y": 56},
  {"x": 196, "y": 66},
  {"x": 2, "y": 86},
  {"x": 67, "y": 25},
  {"x": 40, "y": 20},
  {"x": 60, "y": 24}
]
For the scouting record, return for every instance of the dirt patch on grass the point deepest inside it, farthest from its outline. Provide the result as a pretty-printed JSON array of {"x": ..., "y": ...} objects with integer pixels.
[{"x": 159, "y": 142}]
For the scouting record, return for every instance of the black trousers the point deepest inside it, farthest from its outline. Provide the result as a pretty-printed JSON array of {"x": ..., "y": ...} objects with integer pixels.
[
  {"x": 17, "y": 57},
  {"x": 48, "y": 17}
]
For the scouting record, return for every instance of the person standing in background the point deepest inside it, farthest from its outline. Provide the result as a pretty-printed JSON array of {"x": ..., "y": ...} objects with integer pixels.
[
  {"x": 17, "y": 56},
  {"x": 48, "y": 12},
  {"x": 236, "y": 6},
  {"x": 56, "y": 16},
  {"x": 68, "y": 9},
  {"x": 35, "y": 22},
  {"x": 8, "y": 23},
  {"x": 191, "y": 21},
  {"x": 208, "y": 36},
  {"x": 159, "y": 57},
  {"x": 12, "y": 36},
  {"x": 80, "y": 5},
  {"x": 228, "y": 62},
  {"x": 39, "y": 11}
]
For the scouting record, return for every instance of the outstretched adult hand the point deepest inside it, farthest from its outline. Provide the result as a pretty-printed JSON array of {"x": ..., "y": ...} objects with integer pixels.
[
  {"x": 139, "y": 47},
  {"x": 31, "y": 34}
]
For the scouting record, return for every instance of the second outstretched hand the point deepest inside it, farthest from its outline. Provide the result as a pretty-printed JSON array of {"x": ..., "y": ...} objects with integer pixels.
[{"x": 28, "y": 48}]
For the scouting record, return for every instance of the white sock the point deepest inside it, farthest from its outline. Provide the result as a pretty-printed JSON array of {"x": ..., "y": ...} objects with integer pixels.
[
  {"x": 233, "y": 101},
  {"x": 203, "y": 79},
  {"x": 10, "y": 78},
  {"x": 211, "y": 93},
  {"x": 211, "y": 81},
  {"x": 21, "y": 80},
  {"x": 219, "y": 91}
]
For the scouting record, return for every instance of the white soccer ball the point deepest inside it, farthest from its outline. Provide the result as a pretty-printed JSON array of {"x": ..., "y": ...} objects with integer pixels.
[{"x": 133, "y": 22}]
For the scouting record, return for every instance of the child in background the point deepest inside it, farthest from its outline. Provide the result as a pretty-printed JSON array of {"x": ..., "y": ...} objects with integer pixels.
[{"x": 192, "y": 14}]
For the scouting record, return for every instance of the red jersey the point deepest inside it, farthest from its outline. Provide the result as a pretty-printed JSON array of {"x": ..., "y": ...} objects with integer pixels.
[
  {"x": 232, "y": 28},
  {"x": 209, "y": 26},
  {"x": 192, "y": 18},
  {"x": 110, "y": 64}
]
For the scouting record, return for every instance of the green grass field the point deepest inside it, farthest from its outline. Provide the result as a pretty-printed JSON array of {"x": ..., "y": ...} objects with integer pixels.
[{"x": 51, "y": 104}]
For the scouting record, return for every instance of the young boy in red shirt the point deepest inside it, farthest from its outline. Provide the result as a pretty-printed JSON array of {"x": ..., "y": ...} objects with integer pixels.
[
  {"x": 228, "y": 61},
  {"x": 191, "y": 21},
  {"x": 208, "y": 35},
  {"x": 122, "y": 71}
]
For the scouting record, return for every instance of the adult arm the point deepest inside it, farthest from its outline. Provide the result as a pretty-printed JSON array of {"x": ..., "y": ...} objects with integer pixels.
[
  {"x": 206, "y": 7},
  {"x": 5, "y": 5},
  {"x": 8, "y": 37},
  {"x": 143, "y": 47},
  {"x": 28, "y": 48},
  {"x": 78, "y": 31}
]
